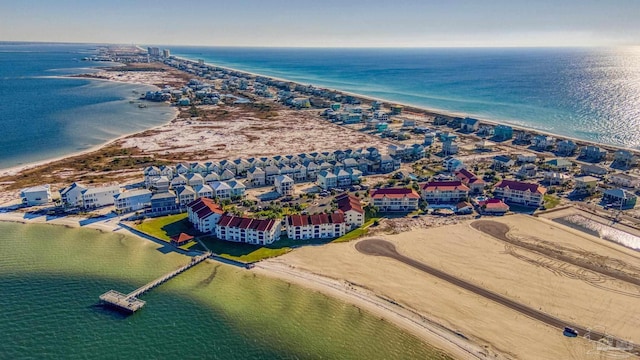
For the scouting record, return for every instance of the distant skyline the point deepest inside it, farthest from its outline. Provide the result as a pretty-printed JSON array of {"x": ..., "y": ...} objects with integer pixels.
[{"x": 328, "y": 23}]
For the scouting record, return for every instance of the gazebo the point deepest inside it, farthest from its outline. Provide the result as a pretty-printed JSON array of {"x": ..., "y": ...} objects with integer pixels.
[{"x": 181, "y": 239}]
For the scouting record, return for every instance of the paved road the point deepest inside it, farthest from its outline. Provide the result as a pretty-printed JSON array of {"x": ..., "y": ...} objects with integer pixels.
[{"x": 378, "y": 247}]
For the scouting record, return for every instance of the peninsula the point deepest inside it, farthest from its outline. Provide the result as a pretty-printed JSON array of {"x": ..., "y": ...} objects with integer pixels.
[{"x": 252, "y": 168}]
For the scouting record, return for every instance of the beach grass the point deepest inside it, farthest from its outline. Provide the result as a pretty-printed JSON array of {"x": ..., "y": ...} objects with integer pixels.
[
  {"x": 550, "y": 201},
  {"x": 165, "y": 227}
]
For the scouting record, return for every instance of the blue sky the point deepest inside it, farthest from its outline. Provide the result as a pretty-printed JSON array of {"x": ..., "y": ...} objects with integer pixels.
[{"x": 389, "y": 23}]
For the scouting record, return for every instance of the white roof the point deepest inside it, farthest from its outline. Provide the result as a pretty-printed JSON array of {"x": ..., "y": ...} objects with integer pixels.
[
  {"x": 102, "y": 189},
  {"x": 37, "y": 188},
  {"x": 132, "y": 193},
  {"x": 283, "y": 178}
]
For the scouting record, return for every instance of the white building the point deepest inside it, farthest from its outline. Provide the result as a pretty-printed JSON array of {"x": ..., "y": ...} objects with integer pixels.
[
  {"x": 351, "y": 207},
  {"x": 327, "y": 180},
  {"x": 395, "y": 199},
  {"x": 624, "y": 180},
  {"x": 204, "y": 214},
  {"x": 444, "y": 191},
  {"x": 36, "y": 195},
  {"x": 321, "y": 226},
  {"x": 71, "y": 196},
  {"x": 517, "y": 192},
  {"x": 100, "y": 196},
  {"x": 132, "y": 200},
  {"x": 246, "y": 230},
  {"x": 284, "y": 185}
]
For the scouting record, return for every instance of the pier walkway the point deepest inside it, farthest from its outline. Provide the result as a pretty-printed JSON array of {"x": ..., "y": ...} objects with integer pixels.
[{"x": 130, "y": 302}]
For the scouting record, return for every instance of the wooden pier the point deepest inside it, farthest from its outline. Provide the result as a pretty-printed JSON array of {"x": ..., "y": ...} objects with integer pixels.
[{"x": 130, "y": 303}]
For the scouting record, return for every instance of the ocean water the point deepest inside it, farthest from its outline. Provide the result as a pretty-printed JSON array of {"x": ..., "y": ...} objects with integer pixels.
[
  {"x": 589, "y": 94},
  {"x": 51, "y": 277},
  {"x": 44, "y": 117}
]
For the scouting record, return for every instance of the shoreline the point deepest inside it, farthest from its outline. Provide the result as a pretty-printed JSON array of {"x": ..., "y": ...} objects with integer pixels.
[
  {"x": 14, "y": 170},
  {"x": 404, "y": 318},
  {"x": 429, "y": 111}
]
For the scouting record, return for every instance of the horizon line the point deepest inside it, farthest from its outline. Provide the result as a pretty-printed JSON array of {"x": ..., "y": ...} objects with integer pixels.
[{"x": 328, "y": 47}]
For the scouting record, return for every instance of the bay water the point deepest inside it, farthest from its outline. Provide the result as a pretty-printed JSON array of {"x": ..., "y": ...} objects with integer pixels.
[{"x": 51, "y": 277}]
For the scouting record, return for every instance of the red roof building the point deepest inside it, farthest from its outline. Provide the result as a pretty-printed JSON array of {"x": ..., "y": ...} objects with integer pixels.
[
  {"x": 493, "y": 207},
  {"x": 204, "y": 213},
  {"x": 352, "y": 209},
  {"x": 319, "y": 226},
  {"x": 395, "y": 199},
  {"x": 522, "y": 193},
  {"x": 247, "y": 230},
  {"x": 475, "y": 184},
  {"x": 181, "y": 239},
  {"x": 436, "y": 192}
]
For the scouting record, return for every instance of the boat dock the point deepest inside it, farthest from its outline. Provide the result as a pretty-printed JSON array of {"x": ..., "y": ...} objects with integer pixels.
[{"x": 130, "y": 303}]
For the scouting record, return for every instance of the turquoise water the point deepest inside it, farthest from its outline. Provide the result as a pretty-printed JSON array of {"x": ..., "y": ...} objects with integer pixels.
[
  {"x": 51, "y": 277},
  {"x": 590, "y": 94},
  {"x": 44, "y": 116}
]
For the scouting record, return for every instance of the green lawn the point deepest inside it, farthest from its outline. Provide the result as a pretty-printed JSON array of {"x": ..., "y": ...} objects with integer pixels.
[
  {"x": 351, "y": 235},
  {"x": 165, "y": 227},
  {"x": 245, "y": 252},
  {"x": 550, "y": 201}
]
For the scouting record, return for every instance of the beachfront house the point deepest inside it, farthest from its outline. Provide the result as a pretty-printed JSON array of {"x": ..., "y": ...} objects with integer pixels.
[
  {"x": 164, "y": 202},
  {"x": 592, "y": 153},
  {"x": 619, "y": 198},
  {"x": 437, "y": 192},
  {"x": 132, "y": 200},
  {"x": 395, "y": 199},
  {"x": 624, "y": 159},
  {"x": 566, "y": 147},
  {"x": 517, "y": 192},
  {"x": 502, "y": 132},
  {"x": 469, "y": 125},
  {"x": 71, "y": 196},
  {"x": 284, "y": 185},
  {"x": 97, "y": 197},
  {"x": 543, "y": 142},
  {"x": 246, "y": 230},
  {"x": 624, "y": 180},
  {"x": 320, "y": 226},
  {"x": 36, "y": 195},
  {"x": 351, "y": 207},
  {"x": 204, "y": 214}
]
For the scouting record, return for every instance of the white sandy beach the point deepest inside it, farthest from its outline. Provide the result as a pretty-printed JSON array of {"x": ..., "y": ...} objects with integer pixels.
[{"x": 480, "y": 259}]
